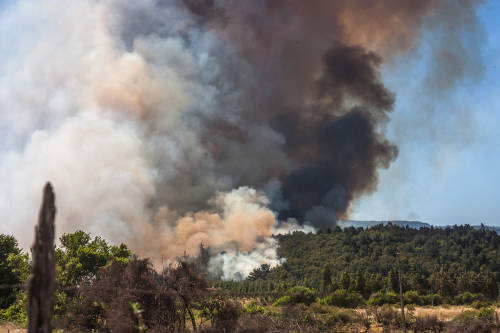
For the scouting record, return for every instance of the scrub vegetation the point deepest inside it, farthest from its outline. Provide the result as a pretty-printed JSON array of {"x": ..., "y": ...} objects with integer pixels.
[{"x": 337, "y": 280}]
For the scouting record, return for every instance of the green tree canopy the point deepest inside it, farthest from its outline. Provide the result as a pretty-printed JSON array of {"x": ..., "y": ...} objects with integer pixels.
[
  {"x": 80, "y": 257},
  {"x": 14, "y": 268}
]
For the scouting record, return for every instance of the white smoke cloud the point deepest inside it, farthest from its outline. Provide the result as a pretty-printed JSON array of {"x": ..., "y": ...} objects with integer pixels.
[
  {"x": 102, "y": 178},
  {"x": 74, "y": 103},
  {"x": 107, "y": 108},
  {"x": 237, "y": 266}
]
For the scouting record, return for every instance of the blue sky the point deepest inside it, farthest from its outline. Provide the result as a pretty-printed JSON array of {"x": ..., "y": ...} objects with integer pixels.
[{"x": 448, "y": 169}]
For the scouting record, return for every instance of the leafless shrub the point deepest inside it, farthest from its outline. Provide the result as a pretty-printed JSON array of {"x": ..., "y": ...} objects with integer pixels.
[
  {"x": 428, "y": 323},
  {"x": 385, "y": 315},
  {"x": 223, "y": 314},
  {"x": 472, "y": 321},
  {"x": 164, "y": 300}
]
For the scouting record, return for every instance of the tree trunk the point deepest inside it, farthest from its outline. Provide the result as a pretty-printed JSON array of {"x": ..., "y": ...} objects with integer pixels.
[
  {"x": 191, "y": 316},
  {"x": 42, "y": 283},
  {"x": 401, "y": 298}
]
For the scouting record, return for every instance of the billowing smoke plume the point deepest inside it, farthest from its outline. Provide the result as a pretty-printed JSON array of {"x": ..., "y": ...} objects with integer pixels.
[{"x": 167, "y": 124}]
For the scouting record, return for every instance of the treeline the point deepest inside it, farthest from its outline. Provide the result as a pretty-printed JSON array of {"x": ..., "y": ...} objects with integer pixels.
[
  {"x": 450, "y": 263},
  {"x": 103, "y": 287}
]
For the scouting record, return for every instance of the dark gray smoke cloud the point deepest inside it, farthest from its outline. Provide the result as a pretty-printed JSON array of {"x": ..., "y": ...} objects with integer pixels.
[
  {"x": 319, "y": 97},
  {"x": 315, "y": 81},
  {"x": 337, "y": 146}
]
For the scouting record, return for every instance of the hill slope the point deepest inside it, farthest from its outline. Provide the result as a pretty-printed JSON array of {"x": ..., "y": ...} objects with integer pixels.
[{"x": 444, "y": 260}]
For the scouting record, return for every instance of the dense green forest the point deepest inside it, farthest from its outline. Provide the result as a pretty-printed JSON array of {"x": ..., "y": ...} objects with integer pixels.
[{"x": 442, "y": 261}]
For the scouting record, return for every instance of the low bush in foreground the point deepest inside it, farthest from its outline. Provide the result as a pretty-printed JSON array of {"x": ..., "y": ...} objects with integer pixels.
[
  {"x": 428, "y": 323},
  {"x": 473, "y": 321},
  {"x": 386, "y": 316}
]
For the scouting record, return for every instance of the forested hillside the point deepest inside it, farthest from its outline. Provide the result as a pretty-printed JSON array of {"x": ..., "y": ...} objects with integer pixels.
[{"x": 440, "y": 261}]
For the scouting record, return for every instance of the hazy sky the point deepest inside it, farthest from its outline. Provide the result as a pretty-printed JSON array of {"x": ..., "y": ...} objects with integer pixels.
[{"x": 448, "y": 169}]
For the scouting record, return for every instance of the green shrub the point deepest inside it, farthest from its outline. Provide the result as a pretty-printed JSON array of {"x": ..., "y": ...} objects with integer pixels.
[
  {"x": 465, "y": 317},
  {"x": 434, "y": 299},
  {"x": 381, "y": 298},
  {"x": 299, "y": 294},
  {"x": 413, "y": 297},
  {"x": 480, "y": 304},
  {"x": 327, "y": 300},
  {"x": 16, "y": 312},
  {"x": 343, "y": 298},
  {"x": 283, "y": 300},
  {"x": 485, "y": 312},
  {"x": 254, "y": 308},
  {"x": 467, "y": 298}
]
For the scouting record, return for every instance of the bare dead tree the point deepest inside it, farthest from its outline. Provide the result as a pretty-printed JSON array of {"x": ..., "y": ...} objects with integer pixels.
[{"x": 42, "y": 283}]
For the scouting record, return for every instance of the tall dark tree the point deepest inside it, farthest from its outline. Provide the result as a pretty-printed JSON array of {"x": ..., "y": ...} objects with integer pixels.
[
  {"x": 260, "y": 273},
  {"x": 203, "y": 259},
  {"x": 327, "y": 279},
  {"x": 345, "y": 280}
]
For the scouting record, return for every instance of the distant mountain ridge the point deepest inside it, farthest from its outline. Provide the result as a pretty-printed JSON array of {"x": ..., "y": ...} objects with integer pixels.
[
  {"x": 368, "y": 224},
  {"x": 497, "y": 229},
  {"x": 403, "y": 223}
]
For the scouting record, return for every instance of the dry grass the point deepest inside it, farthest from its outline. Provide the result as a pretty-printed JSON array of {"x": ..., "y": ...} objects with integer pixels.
[
  {"x": 443, "y": 313},
  {"x": 10, "y": 328}
]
